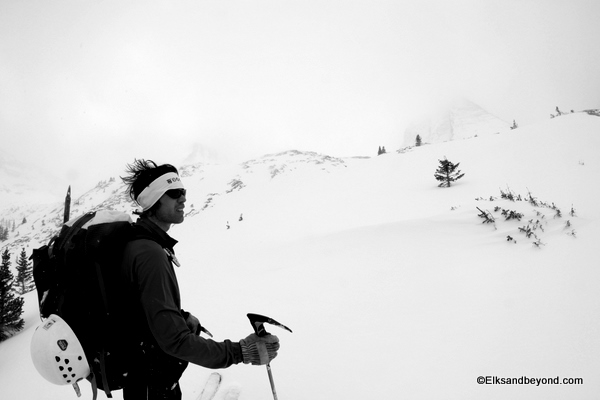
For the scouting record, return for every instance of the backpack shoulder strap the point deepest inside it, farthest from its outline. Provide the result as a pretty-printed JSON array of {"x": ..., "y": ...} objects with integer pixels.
[
  {"x": 73, "y": 229},
  {"x": 103, "y": 238}
]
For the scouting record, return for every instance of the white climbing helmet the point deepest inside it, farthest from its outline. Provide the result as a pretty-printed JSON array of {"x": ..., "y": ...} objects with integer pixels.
[{"x": 57, "y": 353}]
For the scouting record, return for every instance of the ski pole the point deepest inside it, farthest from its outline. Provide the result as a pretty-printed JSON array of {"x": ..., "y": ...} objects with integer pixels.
[{"x": 257, "y": 321}]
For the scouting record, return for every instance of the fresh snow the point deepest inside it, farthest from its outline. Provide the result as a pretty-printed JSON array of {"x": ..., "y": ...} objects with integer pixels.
[{"x": 394, "y": 288}]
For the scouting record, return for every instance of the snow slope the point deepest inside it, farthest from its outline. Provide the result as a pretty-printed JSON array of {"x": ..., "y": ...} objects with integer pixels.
[{"x": 394, "y": 288}]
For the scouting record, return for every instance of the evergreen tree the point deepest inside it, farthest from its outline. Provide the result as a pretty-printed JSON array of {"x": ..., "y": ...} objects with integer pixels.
[
  {"x": 447, "y": 173},
  {"x": 11, "y": 307},
  {"x": 24, "y": 274},
  {"x": 379, "y": 151},
  {"x": 418, "y": 141}
]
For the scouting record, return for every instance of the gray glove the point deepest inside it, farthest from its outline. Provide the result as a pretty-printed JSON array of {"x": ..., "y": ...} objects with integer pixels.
[{"x": 259, "y": 350}]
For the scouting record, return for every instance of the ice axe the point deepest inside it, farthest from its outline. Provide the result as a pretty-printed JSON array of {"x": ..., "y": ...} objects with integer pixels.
[{"x": 258, "y": 324}]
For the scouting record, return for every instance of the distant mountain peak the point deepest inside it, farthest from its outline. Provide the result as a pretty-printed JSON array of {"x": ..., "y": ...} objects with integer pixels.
[{"x": 455, "y": 120}]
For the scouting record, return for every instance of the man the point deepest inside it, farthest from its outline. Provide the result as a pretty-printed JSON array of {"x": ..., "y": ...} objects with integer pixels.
[{"x": 168, "y": 336}]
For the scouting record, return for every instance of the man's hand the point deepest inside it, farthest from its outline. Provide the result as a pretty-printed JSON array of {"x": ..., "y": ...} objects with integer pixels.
[
  {"x": 259, "y": 350},
  {"x": 194, "y": 325}
]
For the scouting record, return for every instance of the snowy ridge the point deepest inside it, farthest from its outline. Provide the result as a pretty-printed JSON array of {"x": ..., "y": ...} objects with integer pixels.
[
  {"x": 289, "y": 160},
  {"x": 43, "y": 221}
]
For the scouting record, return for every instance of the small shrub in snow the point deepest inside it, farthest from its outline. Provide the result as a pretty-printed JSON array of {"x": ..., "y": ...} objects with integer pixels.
[
  {"x": 488, "y": 218},
  {"x": 558, "y": 213},
  {"x": 532, "y": 200},
  {"x": 510, "y": 195},
  {"x": 511, "y": 214},
  {"x": 447, "y": 173},
  {"x": 537, "y": 223},
  {"x": 529, "y": 229},
  {"x": 537, "y": 243}
]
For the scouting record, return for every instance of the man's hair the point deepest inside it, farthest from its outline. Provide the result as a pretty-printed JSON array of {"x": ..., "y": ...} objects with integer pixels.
[{"x": 141, "y": 173}]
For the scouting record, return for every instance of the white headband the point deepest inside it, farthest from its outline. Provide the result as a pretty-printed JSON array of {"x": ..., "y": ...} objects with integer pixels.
[{"x": 157, "y": 188}]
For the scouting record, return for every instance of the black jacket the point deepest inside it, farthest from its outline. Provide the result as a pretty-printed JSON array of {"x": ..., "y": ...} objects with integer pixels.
[{"x": 154, "y": 291}]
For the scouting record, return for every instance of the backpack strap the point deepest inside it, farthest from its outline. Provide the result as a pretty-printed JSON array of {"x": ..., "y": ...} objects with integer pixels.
[
  {"x": 103, "y": 372},
  {"x": 102, "y": 358},
  {"x": 92, "y": 380}
]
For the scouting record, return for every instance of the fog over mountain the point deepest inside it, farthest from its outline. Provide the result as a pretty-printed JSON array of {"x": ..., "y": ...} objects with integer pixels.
[
  {"x": 24, "y": 181},
  {"x": 461, "y": 119}
]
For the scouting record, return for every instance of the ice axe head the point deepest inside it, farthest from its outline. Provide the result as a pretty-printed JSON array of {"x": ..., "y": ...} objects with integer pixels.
[{"x": 258, "y": 324}]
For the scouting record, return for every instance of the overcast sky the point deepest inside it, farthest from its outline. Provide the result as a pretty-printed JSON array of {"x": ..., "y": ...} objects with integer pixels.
[{"x": 104, "y": 82}]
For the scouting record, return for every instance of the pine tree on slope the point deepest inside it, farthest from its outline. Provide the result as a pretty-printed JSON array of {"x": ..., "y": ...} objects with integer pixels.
[
  {"x": 447, "y": 173},
  {"x": 24, "y": 274},
  {"x": 3, "y": 233},
  {"x": 11, "y": 307}
]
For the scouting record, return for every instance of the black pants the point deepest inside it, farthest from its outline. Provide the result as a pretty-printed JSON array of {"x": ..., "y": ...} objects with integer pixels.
[
  {"x": 143, "y": 390},
  {"x": 155, "y": 376},
  {"x": 146, "y": 391}
]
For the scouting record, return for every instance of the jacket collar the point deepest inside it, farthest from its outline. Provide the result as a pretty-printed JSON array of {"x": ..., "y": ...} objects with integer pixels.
[{"x": 148, "y": 229}]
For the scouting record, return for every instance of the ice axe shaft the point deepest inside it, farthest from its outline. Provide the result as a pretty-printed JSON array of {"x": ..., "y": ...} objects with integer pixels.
[
  {"x": 258, "y": 324},
  {"x": 271, "y": 381}
]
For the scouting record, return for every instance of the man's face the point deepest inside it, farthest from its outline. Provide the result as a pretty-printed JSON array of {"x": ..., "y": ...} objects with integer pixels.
[{"x": 170, "y": 210}]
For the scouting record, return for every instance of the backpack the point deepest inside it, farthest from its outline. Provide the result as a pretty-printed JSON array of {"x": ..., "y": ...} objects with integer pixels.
[{"x": 78, "y": 277}]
